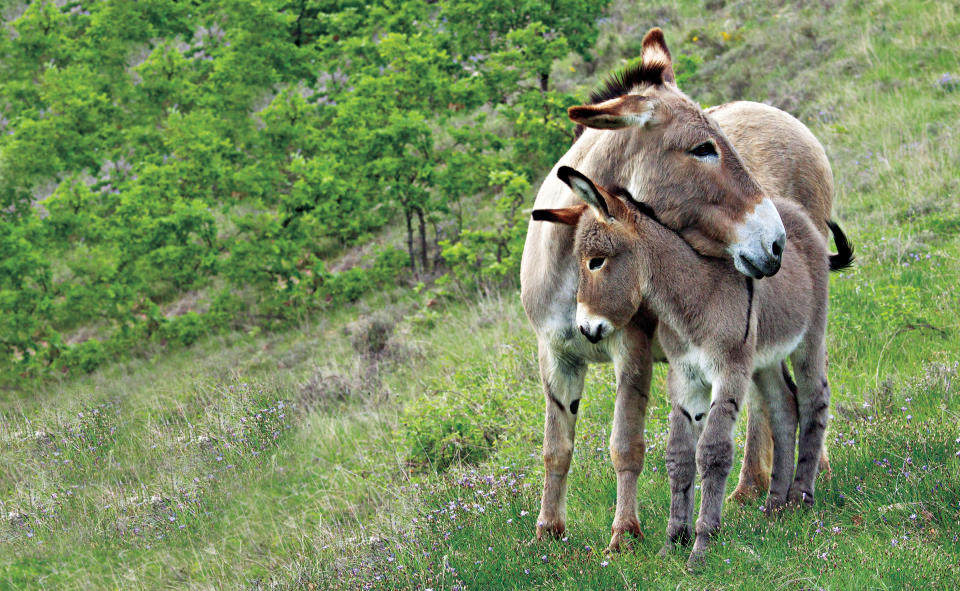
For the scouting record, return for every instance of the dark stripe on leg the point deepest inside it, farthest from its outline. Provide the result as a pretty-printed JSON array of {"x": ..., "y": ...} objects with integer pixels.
[
  {"x": 558, "y": 403},
  {"x": 788, "y": 378}
]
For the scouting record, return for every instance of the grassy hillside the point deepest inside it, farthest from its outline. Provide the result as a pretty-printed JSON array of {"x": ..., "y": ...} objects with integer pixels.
[{"x": 395, "y": 444}]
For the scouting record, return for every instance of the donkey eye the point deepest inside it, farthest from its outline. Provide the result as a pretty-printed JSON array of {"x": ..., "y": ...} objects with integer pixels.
[
  {"x": 704, "y": 150},
  {"x": 595, "y": 263}
]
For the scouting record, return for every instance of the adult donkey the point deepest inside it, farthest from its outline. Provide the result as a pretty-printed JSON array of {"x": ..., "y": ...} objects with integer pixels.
[{"x": 708, "y": 176}]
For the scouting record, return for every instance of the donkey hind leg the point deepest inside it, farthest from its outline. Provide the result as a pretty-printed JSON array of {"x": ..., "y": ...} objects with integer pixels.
[
  {"x": 562, "y": 379},
  {"x": 771, "y": 385},
  {"x": 813, "y": 402},
  {"x": 757, "y": 455},
  {"x": 715, "y": 458},
  {"x": 686, "y": 423},
  {"x": 825, "y": 470},
  {"x": 634, "y": 366}
]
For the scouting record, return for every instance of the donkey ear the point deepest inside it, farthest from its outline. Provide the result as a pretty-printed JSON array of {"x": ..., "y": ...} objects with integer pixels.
[
  {"x": 630, "y": 110},
  {"x": 568, "y": 216},
  {"x": 586, "y": 190},
  {"x": 656, "y": 56}
]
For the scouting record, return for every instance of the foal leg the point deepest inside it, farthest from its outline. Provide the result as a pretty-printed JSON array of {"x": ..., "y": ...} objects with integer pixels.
[
  {"x": 633, "y": 364},
  {"x": 562, "y": 379},
  {"x": 771, "y": 386},
  {"x": 687, "y": 417},
  {"x": 757, "y": 454},
  {"x": 715, "y": 455},
  {"x": 813, "y": 402}
]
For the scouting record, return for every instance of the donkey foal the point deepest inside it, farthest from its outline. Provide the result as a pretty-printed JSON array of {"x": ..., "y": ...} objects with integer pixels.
[{"x": 723, "y": 334}]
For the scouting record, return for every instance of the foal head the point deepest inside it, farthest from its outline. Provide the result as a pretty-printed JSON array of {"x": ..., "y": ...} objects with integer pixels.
[
  {"x": 610, "y": 253},
  {"x": 674, "y": 158}
]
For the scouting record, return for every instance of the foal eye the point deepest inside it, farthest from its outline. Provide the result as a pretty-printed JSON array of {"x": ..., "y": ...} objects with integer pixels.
[
  {"x": 595, "y": 263},
  {"x": 704, "y": 150}
]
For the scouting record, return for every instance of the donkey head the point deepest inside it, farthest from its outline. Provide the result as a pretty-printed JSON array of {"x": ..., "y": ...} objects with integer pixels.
[
  {"x": 610, "y": 255},
  {"x": 674, "y": 158}
]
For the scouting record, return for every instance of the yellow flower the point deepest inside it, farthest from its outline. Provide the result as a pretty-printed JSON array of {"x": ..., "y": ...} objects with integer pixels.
[
  {"x": 695, "y": 38},
  {"x": 726, "y": 36},
  {"x": 572, "y": 69}
]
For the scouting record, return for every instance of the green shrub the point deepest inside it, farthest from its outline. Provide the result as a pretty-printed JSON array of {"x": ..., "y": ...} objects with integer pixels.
[{"x": 476, "y": 410}]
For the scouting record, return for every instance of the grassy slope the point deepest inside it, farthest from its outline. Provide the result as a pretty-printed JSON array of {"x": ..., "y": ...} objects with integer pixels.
[{"x": 323, "y": 495}]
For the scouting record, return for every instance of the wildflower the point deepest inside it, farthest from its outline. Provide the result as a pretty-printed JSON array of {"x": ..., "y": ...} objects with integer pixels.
[
  {"x": 894, "y": 542},
  {"x": 604, "y": 563}
]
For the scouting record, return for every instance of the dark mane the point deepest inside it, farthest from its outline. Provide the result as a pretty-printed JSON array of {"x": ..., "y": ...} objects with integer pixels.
[
  {"x": 640, "y": 206},
  {"x": 622, "y": 82}
]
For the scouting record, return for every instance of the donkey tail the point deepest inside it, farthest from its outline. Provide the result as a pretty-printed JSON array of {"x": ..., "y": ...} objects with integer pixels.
[{"x": 844, "y": 257}]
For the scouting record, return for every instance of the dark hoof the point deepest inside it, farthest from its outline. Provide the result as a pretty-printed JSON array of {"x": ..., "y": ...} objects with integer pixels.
[
  {"x": 774, "y": 505},
  {"x": 800, "y": 499},
  {"x": 697, "y": 560}
]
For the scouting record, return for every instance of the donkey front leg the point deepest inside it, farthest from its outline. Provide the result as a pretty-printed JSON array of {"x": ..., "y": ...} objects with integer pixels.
[
  {"x": 562, "y": 379},
  {"x": 813, "y": 402},
  {"x": 634, "y": 365},
  {"x": 715, "y": 457},
  {"x": 689, "y": 401}
]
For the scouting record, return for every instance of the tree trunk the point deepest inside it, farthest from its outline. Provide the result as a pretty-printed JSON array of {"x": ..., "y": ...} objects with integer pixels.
[
  {"x": 544, "y": 82},
  {"x": 423, "y": 239},
  {"x": 437, "y": 251},
  {"x": 413, "y": 259}
]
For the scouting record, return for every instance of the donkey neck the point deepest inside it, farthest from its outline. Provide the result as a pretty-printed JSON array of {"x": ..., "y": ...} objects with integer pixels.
[{"x": 680, "y": 284}]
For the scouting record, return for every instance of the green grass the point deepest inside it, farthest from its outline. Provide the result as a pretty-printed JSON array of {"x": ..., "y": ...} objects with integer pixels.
[{"x": 185, "y": 472}]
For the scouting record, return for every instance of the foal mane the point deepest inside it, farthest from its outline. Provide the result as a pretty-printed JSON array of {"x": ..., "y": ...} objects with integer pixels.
[{"x": 640, "y": 207}]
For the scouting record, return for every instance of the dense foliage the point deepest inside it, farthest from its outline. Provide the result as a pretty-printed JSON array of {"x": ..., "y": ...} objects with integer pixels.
[{"x": 170, "y": 168}]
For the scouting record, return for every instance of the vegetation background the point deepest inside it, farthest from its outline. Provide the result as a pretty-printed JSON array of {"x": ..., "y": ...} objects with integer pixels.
[{"x": 259, "y": 322}]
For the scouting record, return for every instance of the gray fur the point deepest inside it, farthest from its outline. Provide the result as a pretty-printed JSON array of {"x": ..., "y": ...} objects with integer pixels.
[{"x": 701, "y": 307}]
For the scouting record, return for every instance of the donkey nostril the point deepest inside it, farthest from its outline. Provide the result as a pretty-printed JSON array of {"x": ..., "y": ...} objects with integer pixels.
[{"x": 777, "y": 249}]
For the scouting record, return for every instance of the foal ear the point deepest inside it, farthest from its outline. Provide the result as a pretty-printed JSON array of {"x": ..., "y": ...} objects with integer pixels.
[
  {"x": 630, "y": 110},
  {"x": 586, "y": 190},
  {"x": 655, "y": 55},
  {"x": 568, "y": 216}
]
